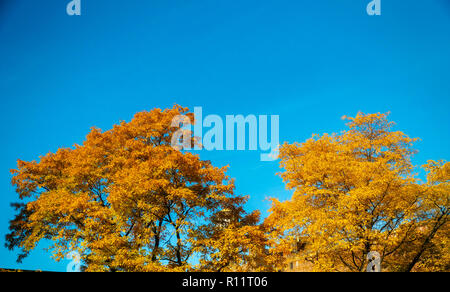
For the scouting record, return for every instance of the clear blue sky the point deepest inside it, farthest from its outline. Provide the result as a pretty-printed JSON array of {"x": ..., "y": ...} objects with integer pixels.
[{"x": 309, "y": 61}]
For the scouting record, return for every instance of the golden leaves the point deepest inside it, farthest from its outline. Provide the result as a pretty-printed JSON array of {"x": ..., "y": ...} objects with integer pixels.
[
  {"x": 127, "y": 201},
  {"x": 125, "y": 198},
  {"x": 355, "y": 192}
]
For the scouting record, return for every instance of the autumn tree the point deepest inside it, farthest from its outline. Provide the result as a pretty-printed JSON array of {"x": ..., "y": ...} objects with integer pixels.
[
  {"x": 356, "y": 192},
  {"x": 126, "y": 200}
]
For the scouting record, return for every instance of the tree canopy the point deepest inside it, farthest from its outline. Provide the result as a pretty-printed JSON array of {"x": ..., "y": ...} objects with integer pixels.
[
  {"x": 356, "y": 192},
  {"x": 126, "y": 200}
]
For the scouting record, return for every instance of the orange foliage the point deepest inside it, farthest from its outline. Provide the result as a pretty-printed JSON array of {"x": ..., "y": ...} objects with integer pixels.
[{"x": 127, "y": 201}]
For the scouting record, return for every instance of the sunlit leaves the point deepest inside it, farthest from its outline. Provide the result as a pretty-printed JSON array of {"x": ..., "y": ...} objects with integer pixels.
[
  {"x": 356, "y": 192},
  {"x": 126, "y": 200}
]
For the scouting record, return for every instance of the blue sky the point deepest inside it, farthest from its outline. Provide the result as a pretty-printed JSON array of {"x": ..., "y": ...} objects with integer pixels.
[{"x": 309, "y": 61}]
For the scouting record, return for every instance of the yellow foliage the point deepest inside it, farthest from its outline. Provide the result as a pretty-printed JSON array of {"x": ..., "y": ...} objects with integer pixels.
[{"x": 355, "y": 192}]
